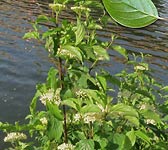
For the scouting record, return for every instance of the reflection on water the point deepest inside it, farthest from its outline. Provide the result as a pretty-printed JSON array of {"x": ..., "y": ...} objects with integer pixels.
[
  {"x": 19, "y": 71},
  {"x": 24, "y": 63}
]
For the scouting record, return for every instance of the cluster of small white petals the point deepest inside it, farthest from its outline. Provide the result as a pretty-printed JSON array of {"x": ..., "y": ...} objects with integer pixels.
[
  {"x": 14, "y": 136},
  {"x": 51, "y": 96},
  {"x": 150, "y": 121},
  {"x": 65, "y": 146},
  {"x": 90, "y": 117},
  {"x": 140, "y": 67},
  {"x": 81, "y": 94},
  {"x": 65, "y": 52},
  {"x": 143, "y": 106},
  {"x": 77, "y": 117},
  {"x": 44, "y": 121},
  {"x": 57, "y": 6},
  {"x": 80, "y": 9}
]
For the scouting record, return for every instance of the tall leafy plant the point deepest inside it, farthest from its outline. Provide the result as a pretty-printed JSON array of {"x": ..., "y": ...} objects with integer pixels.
[{"x": 79, "y": 110}]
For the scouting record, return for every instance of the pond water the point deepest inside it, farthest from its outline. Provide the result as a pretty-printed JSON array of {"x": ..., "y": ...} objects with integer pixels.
[{"x": 25, "y": 63}]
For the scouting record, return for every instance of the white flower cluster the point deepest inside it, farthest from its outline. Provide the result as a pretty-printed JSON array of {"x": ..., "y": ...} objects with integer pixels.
[
  {"x": 65, "y": 146},
  {"x": 77, "y": 117},
  {"x": 51, "y": 96},
  {"x": 81, "y": 94},
  {"x": 57, "y": 7},
  {"x": 150, "y": 121},
  {"x": 44, "y": 121},
  {"x": 14, "y": 136},
  {"x": 80, "y": 9},
  {"x": 141, "y": 67},
  {"x": 143, "y": 106},
  {"x": 65, "y": 52},
  {"x": 87, "y": 117},
  {"x": 90, "y": 117}
]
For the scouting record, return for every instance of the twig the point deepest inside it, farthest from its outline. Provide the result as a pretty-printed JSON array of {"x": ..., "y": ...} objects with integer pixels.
[{"x": 61, "y": 76}]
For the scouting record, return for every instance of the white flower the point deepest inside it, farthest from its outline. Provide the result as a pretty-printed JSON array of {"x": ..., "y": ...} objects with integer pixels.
[
  {"x": 65, "y": 52},
  {"x": 80, "y": 9},
  {"x": 90, "y": 117},
  {"x": 81, "y": 94},
  {"x": 51, "y": 96},
  {"x": 14, "y": 136},
  {"x": 57, "y": 7},
  {"x": 143, "y": 106},
  {"x": 150, "y": 121},
  {"x": 44, "y": 121},
  {"x": 141, "y": 67},
  {"x": 77, "y": 117},
  {"x": 65, "y": 146}
]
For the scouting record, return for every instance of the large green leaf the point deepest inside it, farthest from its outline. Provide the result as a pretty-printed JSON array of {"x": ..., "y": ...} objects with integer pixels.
[
  {"x": 55, "y": 111},
  {"x": 101, "y": 53},
  {"x": 120, "y": 50},
  {"x": 143, "y": 136},
  {"x": 86, "y": 144},
  {"x": 124, "y": 110},
  {"x": 132, "y": 13},
  {"x": 80, "y": 32},
  {"x": 90, "y": 108},
  {"x": 132, "y": 137},
  {"x": 55, "y": 129},
  {"x": 51, "y": 79},
  {"x": 122, "y": 141}
]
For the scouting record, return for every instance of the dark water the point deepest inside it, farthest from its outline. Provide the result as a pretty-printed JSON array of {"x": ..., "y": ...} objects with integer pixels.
[{"x": 24, "y": 63}]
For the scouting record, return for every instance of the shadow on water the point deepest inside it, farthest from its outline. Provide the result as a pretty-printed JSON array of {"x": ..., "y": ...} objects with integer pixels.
[{"x": 24, "y": 63}]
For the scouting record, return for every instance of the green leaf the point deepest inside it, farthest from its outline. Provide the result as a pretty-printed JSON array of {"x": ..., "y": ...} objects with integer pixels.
[
  {"x": 165, "y": 89},
  {"x": 90, "y": 108},
  {"x": 67, "y": 94},
  {"x": 102, "y": 141},
  {"x": 88, "y": 51},
  {"x": 34, "y": 102},
  {"x": 113, "y": 80},
  {"x": 101, "y": 53},
  {"x": 133, "y": 120},
  {"x": 132, "y": 137},
  {"x": 69, "y": 103},
  {"x": 69, "y": 51},
  {"x": 80, "y": 32},
  {"x": 32, "y": 35},
  {"x": 50, "y": 32},
  {"x": 51, "y": 79},
  {"x": 121, "y": 50},
  {"x": 55, "y": 111},
  {"x": 42, "y": 18},
  {"x": 83, "y": 80},
  {"x": 149, "y": 114},
  {"x": 79, "y": 135},
  {"x": 125, "y": 110},
  {"x": 143, "y": 136},
  {"x": 85, "y": 145},
  {"x": 102, "y": 81},
  {"x": 132, "y": 13},
  {"x": 122, "y": 141},
  {"x": 55, "y": 129},
  {"x": 144, "y": 93}
]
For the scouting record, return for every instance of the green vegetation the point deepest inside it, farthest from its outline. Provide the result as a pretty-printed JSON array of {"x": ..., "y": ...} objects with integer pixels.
[{"x": 86, "y": 108}]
